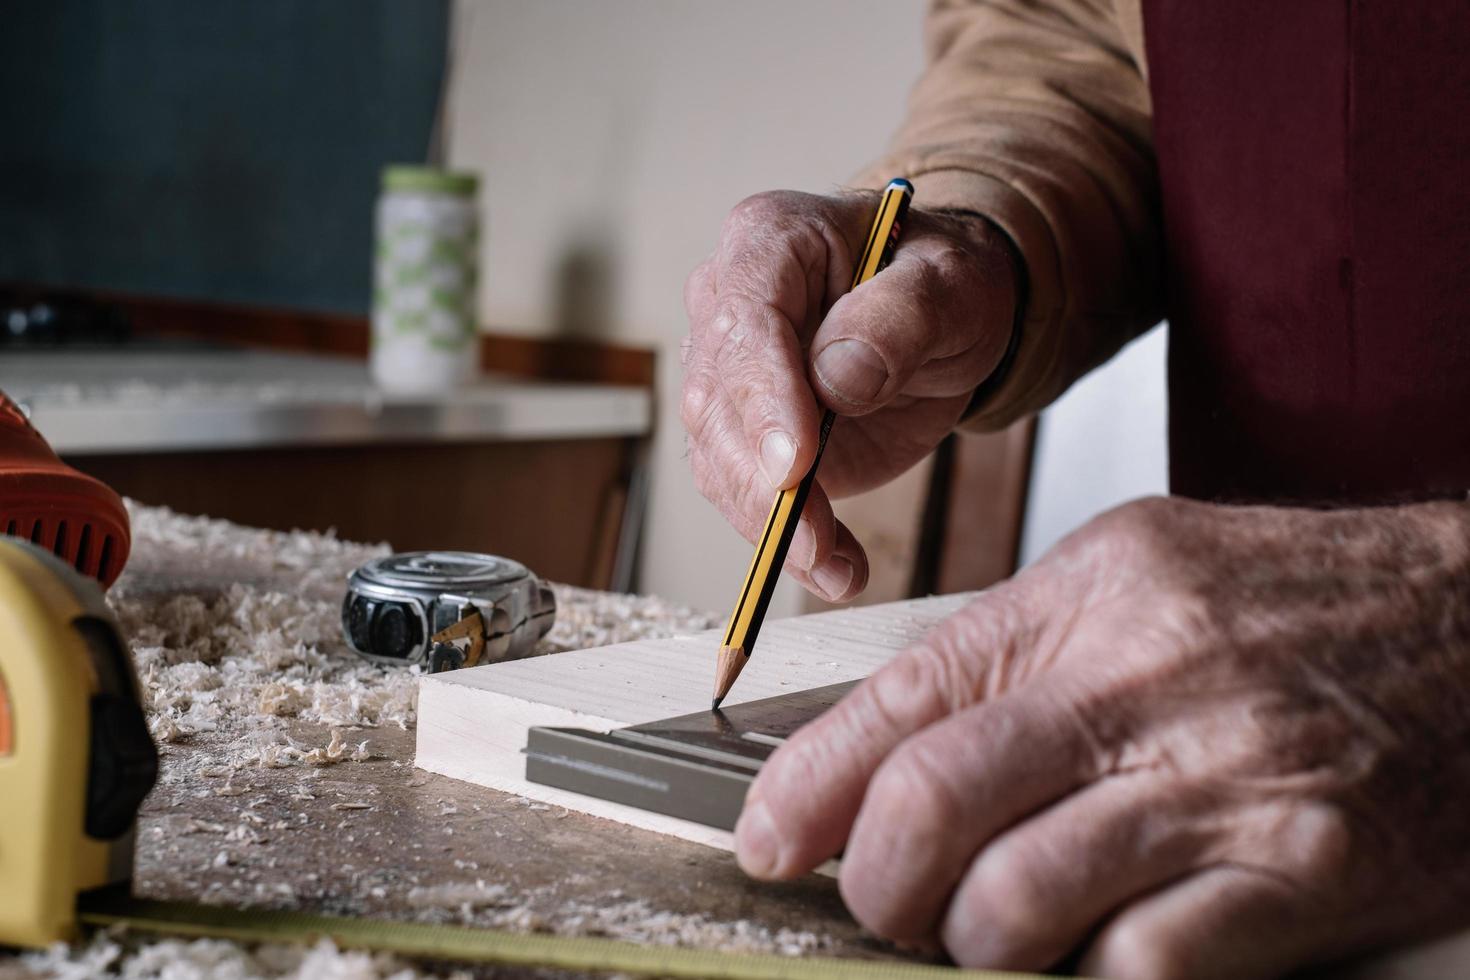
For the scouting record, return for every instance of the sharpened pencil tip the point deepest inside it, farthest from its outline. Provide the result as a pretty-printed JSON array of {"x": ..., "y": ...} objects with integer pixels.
[{"x": 728, "y": 668}]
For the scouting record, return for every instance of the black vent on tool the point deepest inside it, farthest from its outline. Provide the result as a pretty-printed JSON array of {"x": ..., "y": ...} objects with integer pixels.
[
  {"x": 92, "y": 558},
  {"x": 123, "y": 763},
  {"x": 104, "y": 563}
]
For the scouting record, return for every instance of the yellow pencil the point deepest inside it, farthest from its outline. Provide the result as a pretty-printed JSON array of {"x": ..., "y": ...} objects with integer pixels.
[{"x": 775, "y": 540}]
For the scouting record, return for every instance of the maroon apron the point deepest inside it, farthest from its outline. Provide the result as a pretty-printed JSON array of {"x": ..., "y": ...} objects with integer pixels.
[{"x": 1314, "y": 161}]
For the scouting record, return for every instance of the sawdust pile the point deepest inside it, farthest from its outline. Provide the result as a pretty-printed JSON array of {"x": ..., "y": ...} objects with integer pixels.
[
  {"x": 213, "y": 959},
  {"x": 231, "y": 664},
  {"x": 237, "y": 659},
  {"x": 486, "y": 904}
]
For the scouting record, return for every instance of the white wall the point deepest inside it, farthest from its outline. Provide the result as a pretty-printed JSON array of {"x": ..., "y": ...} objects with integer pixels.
[
  {"x": 1104, "y": 442},
  {"x": 613, "y": 137}
]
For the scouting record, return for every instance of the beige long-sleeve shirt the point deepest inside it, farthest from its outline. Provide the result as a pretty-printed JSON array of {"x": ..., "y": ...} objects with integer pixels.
[{"x": 1036, "y": 115}]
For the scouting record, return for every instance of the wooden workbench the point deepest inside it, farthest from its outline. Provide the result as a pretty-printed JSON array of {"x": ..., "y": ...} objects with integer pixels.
[
  {"x": 287, "y": 782},
  {"x": 256, "y": 805}
]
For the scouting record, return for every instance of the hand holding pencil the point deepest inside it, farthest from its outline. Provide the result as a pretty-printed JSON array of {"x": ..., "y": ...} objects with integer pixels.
[
  {"x": 777, "y": 341},
  {"x": 903, "y": 353}
]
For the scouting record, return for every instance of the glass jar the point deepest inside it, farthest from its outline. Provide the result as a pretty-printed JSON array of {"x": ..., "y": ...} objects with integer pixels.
[{"x": 425, "y": 280}]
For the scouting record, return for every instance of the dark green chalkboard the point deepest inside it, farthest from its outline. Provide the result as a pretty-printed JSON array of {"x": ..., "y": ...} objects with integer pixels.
[{"x": 222, "y": 149}]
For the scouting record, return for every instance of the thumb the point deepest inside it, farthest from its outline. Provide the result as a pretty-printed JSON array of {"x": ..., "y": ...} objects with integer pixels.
[{"x": 933, "y": 324}]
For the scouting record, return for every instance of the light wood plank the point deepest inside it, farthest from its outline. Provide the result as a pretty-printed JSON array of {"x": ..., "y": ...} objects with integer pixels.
[{"x": 473, "y": 723}]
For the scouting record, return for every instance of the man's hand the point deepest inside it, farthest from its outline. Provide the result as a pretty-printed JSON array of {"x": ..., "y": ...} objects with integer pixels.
[
  {"x": 773, "y": 341},
  {"x": 1193, "y": 741}
]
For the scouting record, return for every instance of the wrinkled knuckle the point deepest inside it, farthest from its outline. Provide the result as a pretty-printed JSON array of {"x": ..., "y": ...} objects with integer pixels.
[
  {"x": 755, "y": 206},
  {"x": 753, "y": 495},
  {"x": 1192, "y": 620},
  {"x": 696, "y": 287},
  {"x": 749, "y": 383},
  {"x": 727, "y": 325},
  {"x": 754, "y": 213},
  {"x": 953, "y": 266},
  {"x": 745, "y": 329},
  {"x": 910, "y": 682},
  {"x": 693, "y": 399},
  {"x": 1136, "y": 520},
  {"x": 696, "y": 405},
  {"x": 1143, "y": 535},
  {"x": 861, "y": 883},
  {"x": 1319, "y": 840},
  {"x": 1006, "y": 898},
  {"x": 803, "y": 756},
  {"x": 983, "y": 642},
  {"x": 1138, "y": 950},
  {"x": 1010, "y": 873},
  {"x": 780, "y": 223},
  {"x": 914, "y": 782}
]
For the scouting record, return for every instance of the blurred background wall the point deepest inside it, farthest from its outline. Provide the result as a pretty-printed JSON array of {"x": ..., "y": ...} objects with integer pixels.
[
  {"x": 227, "y": 150},
  {"x": 230, "y": 151},
  {"x": 614, "y": 137}
]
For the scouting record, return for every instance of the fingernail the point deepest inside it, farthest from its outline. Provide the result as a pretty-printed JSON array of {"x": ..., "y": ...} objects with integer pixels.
[
  {"x": 851, "y": 370},
  {"x": 833, "y": 576},
  {"x": 778, "y": 452},
  {"x": 757, "y": 848},
  {"x": 803, "y": 551}
]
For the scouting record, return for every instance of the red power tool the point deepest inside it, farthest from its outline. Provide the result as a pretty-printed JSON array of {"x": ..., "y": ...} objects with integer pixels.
[{"x": 48, "y": 503}]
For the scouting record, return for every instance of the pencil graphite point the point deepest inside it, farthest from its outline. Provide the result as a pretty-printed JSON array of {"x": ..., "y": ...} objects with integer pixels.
[{"x": 732, "y": 660}]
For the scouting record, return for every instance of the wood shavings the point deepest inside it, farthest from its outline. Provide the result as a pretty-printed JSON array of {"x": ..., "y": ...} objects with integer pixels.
[
  {"x": 239, "y": 658},
  {"x": 235, "y": 661},
  {"x": 491, "y": 905},
  {"x": 274, "y": 750},
  {"x": 211, "y": 959},
  {"x": 637, "y": 921},
  {"x": 462, "y": 895}
]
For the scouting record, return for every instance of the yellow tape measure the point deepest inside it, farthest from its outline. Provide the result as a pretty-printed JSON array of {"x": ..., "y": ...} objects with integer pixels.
[{"x": 117, "y": 908}]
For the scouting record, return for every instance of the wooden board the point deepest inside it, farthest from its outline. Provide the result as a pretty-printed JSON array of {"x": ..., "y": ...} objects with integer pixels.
[{"x": 473, "y": 723}]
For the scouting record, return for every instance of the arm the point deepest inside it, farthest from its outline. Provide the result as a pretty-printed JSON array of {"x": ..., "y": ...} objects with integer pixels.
[{"x": 1036, "y": 116}]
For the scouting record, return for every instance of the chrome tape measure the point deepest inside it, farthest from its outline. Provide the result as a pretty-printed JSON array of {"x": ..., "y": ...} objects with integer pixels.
[{"x": 445, "y": 609}]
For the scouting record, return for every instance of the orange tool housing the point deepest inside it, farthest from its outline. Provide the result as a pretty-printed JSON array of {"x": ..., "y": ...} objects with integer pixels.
[{"x": 78, "y": 518}]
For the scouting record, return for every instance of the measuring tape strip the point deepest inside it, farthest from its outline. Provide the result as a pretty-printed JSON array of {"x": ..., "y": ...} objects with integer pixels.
[{"x": 111, "y": 907}]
